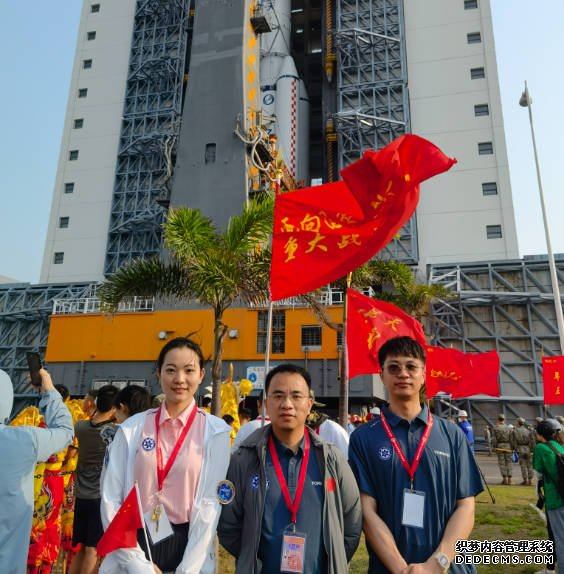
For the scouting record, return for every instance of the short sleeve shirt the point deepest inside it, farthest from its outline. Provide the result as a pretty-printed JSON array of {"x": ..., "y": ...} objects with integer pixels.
[{"x": 446, "y": 473}]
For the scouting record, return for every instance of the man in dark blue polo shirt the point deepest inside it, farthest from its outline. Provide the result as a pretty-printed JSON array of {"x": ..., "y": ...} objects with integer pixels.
[
  {"x": 416, "y": 474},
  {"x": 296, "y": 504}
]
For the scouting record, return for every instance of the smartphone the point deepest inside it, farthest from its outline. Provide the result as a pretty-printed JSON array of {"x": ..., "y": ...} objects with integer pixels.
[{"x": 34, "y": 364}]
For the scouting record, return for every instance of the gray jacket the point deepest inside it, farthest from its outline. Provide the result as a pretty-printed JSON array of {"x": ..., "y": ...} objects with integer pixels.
[{"x": 240, "y": 523}]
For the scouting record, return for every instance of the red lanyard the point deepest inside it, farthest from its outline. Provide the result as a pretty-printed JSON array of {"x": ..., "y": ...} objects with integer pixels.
[
  {"x": 292, "y": 506},
  {"x": 418, "y": 453},
  {"x": 162, "y": 472}
]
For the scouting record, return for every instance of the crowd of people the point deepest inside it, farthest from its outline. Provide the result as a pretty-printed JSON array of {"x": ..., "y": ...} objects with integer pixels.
[{"x": 290, "y": 491}]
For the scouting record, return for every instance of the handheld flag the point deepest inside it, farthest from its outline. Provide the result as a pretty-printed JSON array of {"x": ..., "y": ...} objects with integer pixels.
[
  {"x": 461, "y": 374},
  {"x": 370, "y": 323},
  {"x": 122, "y": 530},
  {"x": 322, "y": 233},
  {"x": 552, "y": 378}
]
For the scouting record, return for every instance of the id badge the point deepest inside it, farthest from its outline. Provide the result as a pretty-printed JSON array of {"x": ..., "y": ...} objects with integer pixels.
[
  {"x": 413, "y": 508},
  {"x": 160, "y": 528},
  {"x": 293, "y": 552}
]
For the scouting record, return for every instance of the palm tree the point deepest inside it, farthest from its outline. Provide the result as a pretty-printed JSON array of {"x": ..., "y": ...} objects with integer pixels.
[{"x": 214, "y": 268}]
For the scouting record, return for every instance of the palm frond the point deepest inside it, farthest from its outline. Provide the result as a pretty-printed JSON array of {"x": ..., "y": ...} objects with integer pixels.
[
  {"x": 145, "y": 277},
  {"x": 252, "y": 226},
  {"x": 187, "y": 232}
]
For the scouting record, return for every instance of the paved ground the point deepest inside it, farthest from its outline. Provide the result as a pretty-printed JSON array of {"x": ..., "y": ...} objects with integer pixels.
[{"x": 490, "y": 469}]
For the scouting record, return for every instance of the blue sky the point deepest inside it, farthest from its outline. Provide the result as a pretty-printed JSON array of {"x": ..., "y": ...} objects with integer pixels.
[{"x": 37, "y": 42}]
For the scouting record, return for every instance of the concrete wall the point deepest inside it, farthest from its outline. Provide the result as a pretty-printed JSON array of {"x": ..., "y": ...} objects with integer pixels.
[{"x": 88, "y": 208}]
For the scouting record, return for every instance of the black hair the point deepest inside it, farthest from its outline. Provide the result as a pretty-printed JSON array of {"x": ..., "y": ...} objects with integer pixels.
[
  {"x": 287, "y": 368},
  {"x": 401, "y": 347},
  {"x": 179, "y": 343},
  {"x": 548, "y": 428},
  {"x": 136, "y": 398},
  {"x": 105, "y": 398},
  {"x": 228, "y": 419},
  {"x": 245, "y": 413},
  {"x": 206, "y": 401},
  {"x": 63, "y": 391},
  {"x": 92, "y": 393}
]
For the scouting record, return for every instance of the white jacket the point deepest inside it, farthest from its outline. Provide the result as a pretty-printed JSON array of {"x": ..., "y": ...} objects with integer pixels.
[{"x": 118, "y": 480}]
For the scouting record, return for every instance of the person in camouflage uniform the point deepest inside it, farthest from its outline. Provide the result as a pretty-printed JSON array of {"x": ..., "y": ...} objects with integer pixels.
[
  {"x": 502, "y": 446},
  {"x": 523, "y": 443}
]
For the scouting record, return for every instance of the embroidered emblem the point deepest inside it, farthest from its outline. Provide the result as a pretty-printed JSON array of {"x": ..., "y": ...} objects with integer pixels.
[
  {"x": 255, "y": 482},
  {"x": 384, "y": 453},
  {"x": 148, "y": 443},
  {"x": 225, "y": 491}
]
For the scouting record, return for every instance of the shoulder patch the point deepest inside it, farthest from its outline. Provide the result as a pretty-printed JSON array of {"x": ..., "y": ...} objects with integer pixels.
[{"x": 225, "y": 491}]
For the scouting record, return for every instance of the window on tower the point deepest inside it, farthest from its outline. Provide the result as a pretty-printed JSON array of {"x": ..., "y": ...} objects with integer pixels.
[
  {"x": 78, "y": 123},
  {"x": 91, "y": 35},
  {"x": 82, "y": 92},
  {"x": 474, "y": 37},
  {"x": 477, "y": 73},
  {"x": 493, "y": 231},
  {"x": 489, "y": 188},
  {"x": 86, "y": 64},
  {"x": 94, "y": 8},
  {"x": 69, "y": 187},
  {"x": 73, "y": 155},
  {"x": 58, "y": 257},
  {"x": 481, "y": 110},
  {"x": 470, "y": 4},
  {"x": 63, "y": 222},
  {"x": 485, "y": 148}
]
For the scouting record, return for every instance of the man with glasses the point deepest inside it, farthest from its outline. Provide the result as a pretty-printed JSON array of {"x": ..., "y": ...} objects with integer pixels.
[
  {"x": 295, "y": 503},
  {"x": 416, "y": 474}
]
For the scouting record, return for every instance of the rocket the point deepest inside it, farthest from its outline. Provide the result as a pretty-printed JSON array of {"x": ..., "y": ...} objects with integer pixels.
[{"x": 284, "y": 100}]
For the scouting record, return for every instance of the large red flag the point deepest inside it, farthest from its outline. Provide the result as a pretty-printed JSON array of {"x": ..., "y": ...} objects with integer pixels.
[
  {"x": 321, "y": 233},
  {"x": 552, "y": 375},
  {"x": 461, "y": 374},
  {"x": 122, "y": 530},
  {"x": 370, "y": 323}
]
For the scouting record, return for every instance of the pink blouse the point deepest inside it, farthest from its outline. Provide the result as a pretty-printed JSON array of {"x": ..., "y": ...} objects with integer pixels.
[{"x": 179, "y": 487}]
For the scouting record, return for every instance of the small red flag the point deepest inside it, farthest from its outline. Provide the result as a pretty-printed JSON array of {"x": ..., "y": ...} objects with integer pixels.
[
  {"x": 122, "y": 530},
  {"x": 552, "y": 378},
  {"x": 370, "y": 323},
  {"x": 321, "y": 233},
  {"x": 461, "y": 374}
]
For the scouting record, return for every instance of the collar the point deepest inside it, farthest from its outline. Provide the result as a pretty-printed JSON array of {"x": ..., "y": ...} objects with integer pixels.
[
  {"x": 394, "y": 419},
  {"x": 182, "y": 417},
  {"x": 285, "y": 451}
]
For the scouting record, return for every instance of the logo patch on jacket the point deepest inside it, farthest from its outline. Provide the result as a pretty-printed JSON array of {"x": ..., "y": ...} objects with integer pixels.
[
  {"x": 148, "y": 443},
  {"x": 255, "y": 481},
  {"x": 225, "y": 491}
]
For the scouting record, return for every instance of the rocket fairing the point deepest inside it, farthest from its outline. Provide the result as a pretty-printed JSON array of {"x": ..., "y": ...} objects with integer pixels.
[{"x": 284, "y": 100}]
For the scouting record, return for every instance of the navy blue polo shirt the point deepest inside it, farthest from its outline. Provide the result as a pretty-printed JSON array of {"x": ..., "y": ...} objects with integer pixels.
[
  {"x": 276, "y": 515},
  {"x": 446, "y": 473}
]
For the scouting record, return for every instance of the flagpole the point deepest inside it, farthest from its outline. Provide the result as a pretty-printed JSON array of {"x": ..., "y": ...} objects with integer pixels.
[
  {"x": 266, "y": 359},
  {"x": 344, "y": 387},
  {"x": 143, "y": 522}
]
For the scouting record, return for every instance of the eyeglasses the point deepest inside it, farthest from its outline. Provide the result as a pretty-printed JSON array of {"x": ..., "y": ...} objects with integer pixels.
[
  {"x": 281, "y": 397},
  {"x": 396, "y": 368}
]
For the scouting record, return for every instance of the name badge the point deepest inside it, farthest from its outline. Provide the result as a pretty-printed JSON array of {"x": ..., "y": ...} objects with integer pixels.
[
  {"x": 293, "y": 552},
  {"x": 413, "y": 508},
  {"x": 158, "y": 524}
]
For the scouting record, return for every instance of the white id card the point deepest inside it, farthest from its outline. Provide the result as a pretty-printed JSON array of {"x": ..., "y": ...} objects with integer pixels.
[
  {"x": 413, "y": 508},
  {"x": 293, "y": 552},
  {"x": 158, "y": 529}
]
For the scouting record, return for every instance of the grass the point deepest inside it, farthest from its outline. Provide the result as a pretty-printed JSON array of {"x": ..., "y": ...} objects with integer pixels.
[{"x": 510, "y": 518}]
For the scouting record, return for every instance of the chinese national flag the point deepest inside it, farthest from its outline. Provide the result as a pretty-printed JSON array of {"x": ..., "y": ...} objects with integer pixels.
[
  {"x": 461, "y": 374},
  {"x": 122, "y": 530},
  {"x": 552, "y": 374},
  {"x": 370, "y": 323},
  {"x": 321, "y": 233}
]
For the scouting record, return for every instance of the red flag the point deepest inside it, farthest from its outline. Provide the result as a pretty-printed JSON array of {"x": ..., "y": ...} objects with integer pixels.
[
  {"x": 461, "y": 374},
  {"x": 321, "y": 233},
  {"x": 370, "y": 323},
  {"x": 552, "y": 375},
  {"x": 122, "y": 530}
]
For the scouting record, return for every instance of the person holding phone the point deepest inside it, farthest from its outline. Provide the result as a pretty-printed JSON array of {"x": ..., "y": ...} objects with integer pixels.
[
  {"x": 21, "y": 448},
  {"x": 178, "y": 454}
]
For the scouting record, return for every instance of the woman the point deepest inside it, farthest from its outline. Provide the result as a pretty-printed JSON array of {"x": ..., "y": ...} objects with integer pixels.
[
  {"x": 544, "y": 462},
  {"x": 178, "y": 454}
]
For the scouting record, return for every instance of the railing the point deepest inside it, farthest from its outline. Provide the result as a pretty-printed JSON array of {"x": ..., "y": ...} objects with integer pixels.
[{"x": 93, "y": 305}]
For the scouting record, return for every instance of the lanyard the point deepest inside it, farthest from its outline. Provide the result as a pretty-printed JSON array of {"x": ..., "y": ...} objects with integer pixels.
[
  {"x": 162, "y": 472},
  {"x": 295, "y": 505},
  {"x": 397, "y": 447}
]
